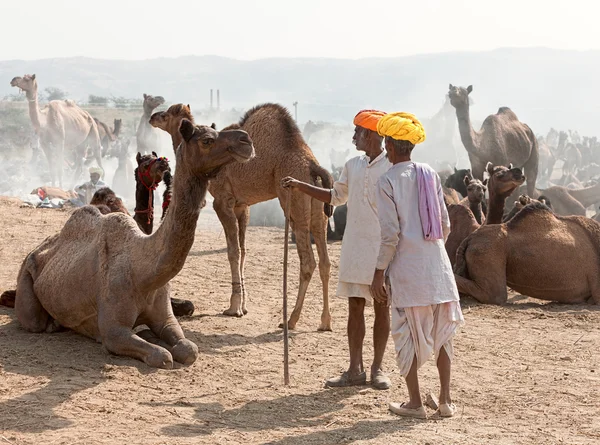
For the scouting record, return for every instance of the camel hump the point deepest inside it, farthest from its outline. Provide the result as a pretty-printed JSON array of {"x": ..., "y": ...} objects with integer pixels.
[
  {"x": 70, "y": 102},
  {"x": 318, "y": 172},
  {"x": 505, "y": 111}
]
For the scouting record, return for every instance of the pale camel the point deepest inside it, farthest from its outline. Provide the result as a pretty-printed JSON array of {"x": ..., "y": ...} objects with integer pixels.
[
  {"x": 147, "y": 137},
  {"x": 450, "y": 196},
  {"x": 547, "y": 159},
  {"x": 502, "y": 139},
  {"x": 63, "y": 128},
  {"x": 280, "y": 152},
  {"x": 501, "y": 183},
  {"x": 170, "y": 119},
  {"x": 475, "y": 197},
  {"x": 108, "y": 136},
  {"x": 124, "y": 173},
  {"x": 107, "y": 202},
  {"x": 566, "y": 201},
  {"x": 536, "y": 253},
  {"x": 101, "y": 277}
]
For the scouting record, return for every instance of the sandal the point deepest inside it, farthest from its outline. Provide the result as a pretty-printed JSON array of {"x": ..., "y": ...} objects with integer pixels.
[
  {"x": 401, "y": 410},
  {"x": 447, "y": 410},
  {"x": 347, "y": 380}
]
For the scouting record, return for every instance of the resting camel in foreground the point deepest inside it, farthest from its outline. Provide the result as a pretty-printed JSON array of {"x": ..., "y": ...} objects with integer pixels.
[
  {"x": 101, "y": 276},
  {"x": 536, "y": 253}
]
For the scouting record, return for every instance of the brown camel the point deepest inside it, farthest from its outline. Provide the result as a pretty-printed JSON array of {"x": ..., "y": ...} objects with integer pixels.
[
  {"x": 501, "y": 183},
  {"x": 108, "y": 136},
  {"x": 170, "y": 119},
  {"x": 475, "y": 197},
  {"x": 146, "y": 136},
  {"x": 63, "y": 128},
  {"x": 456, "y": 180},
  {"x": 450, "y": 196},
  {"x": 98, "y": 276},
  {"x": 569, "y": 202},
  {"x": 571, "y": 159},
  {"x": 536, "y": 253},
  {"x": 502, "y": 139},
  {"x": 148, "y": 174},
  {"x": 280, "y": 151},
  {"x": 547, "y": 159}
]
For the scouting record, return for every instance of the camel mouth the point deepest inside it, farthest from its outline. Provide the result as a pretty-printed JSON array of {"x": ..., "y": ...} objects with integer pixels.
[{"x": 244, "y": 155}]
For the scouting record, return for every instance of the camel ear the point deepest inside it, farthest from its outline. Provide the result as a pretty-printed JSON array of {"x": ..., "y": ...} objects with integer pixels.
[
  {"x": 450, "y": 86},
  {"x": 154, "y": 154},
  {"x": 186, "y": 128},
  {"x": 466, "y": 180},
  {"x": 33, "y": 77},
  {"x": 189, "y": 108},
  {"x": 485, "y": 182},
  {"x": 469, "y": 89},
  {"x": 510, "y": 166},
  {"x": 455, "y": 170},
  {"x": 213, "y": 126},
  {"x": 145, "y": 95},
  {"x": 490, "y": 168},
  {"x": 138, "y": 157}
]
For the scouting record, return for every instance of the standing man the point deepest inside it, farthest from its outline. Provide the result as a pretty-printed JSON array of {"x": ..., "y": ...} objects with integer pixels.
[
  {"x": 414, "y": 224},
  {"x": 357, "y": 187}
]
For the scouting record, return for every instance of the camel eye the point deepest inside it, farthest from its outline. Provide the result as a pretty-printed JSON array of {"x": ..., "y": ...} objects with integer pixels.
[{"x": 208, "y": 141}]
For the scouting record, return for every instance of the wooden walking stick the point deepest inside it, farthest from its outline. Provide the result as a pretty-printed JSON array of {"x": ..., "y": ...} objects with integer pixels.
[{"x": 288, "y": 206}]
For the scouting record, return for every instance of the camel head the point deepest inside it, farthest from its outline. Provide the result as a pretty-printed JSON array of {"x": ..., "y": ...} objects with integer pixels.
[
  {"x": 151, "y": 102},
  {"x": 172, "y": 117},
  {"x": 151, "y": 168},
  {"x": 205, "y": 150},
  {"x": 106, "y": 197},
  {"x": 504, "y": 180},
  {"x": 458, "y": 179},
  {"x": 475, "y": 189},
  {"x": 459, "y": 96},
  {"x": 26, "y": 83}
]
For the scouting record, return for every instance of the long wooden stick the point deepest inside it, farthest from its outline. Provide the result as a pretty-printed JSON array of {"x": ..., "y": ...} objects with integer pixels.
[{"x": 286, "y": 370}]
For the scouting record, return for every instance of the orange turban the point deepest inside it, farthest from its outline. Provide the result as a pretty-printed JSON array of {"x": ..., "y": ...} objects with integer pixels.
[{"x": 368, "y": 119}]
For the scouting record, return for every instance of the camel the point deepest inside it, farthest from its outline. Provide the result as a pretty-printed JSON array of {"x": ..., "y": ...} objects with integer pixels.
[
  {"x": 170, "y": 119},
  {"x": 501, "y": 184},
  {"x": 62, "y": 128},
  {"x": 108, "y": 136},
  {"x": 571, "y": 159},
  {"x": 502, "y": 139},
  {"x": 101, "y": 277},
  {"x": 547, "y": 159},
  {"x": 456, "y": 180},
  {"x": 522, "y": 202},
  {"x": 148, "y": 174},
  {"x": 475, "y": 196},
  {"x": 568, "y": 202},
  {"x": 146, "y": 136},
  {"x": 280, "y": 152},
  {"x": 536, "y": 253},
  {"x": 124, "y": 174}
]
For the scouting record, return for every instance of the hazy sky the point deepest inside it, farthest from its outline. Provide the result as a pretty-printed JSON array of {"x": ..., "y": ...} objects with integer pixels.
[{"x": 252, "y": 29}]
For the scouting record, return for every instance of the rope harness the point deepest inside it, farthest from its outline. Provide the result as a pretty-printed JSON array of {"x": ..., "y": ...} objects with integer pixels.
[{"x": 151, "y": 188}]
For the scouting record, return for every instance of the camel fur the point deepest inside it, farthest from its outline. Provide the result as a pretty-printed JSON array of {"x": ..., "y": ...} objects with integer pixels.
[
  {"x": 475, "y": 198},
  {"x": 99, "y": 277},
  {"x": 533, "y": 254},
  {"x": 503, "y": 139},
  {"x": 63, "y": 129}
]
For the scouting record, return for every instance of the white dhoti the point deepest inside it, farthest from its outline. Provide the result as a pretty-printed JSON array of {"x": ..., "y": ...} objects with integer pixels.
[{"x": 420, "y": 331}]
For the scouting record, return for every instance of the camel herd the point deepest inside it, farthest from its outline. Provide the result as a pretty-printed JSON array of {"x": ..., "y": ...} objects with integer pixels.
[{"x": 97, "y": 278}]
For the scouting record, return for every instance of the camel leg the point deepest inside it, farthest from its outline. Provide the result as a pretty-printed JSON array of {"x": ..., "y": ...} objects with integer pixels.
[
  {"x": 230, "y": 226},
  {"x": 163, "y": 323},
  {"x": 242, "y": 214},
  {"x": 48, "y": 152},
  {"x": 28, "y": 309},
  {"x": 117, "y": 336},
  {"x": 319, "y": 230},
  {"x": 307, "y": 267},
  {"x": 531, "y": 173}
]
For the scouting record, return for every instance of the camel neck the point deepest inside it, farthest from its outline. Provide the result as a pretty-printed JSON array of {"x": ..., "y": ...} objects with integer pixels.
[
  {"x": 166, "y": 249},
  {"x": 34, "y": 110},
  {"x": 476, "y": 209},
  {"x": 468, "y": 136},
  {"x": 176, "y": 137},
  {"x": 144, "y": 203},
  {"x": 495, "y": 210}
]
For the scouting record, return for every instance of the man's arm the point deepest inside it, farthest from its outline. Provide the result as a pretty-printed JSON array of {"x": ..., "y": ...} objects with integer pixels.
[
  {"x": 443, "y": 210},
  {"x": 319, "y": 193}
]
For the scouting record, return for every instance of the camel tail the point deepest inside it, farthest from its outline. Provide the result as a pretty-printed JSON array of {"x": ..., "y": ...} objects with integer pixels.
[
  {"x": 316, "y": 171},
  {"x": 460, "y": 267},
  {"x": 8, "y": 298}
]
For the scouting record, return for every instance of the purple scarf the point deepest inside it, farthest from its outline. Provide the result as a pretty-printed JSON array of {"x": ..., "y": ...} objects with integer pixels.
[{"x": 429, "y": 204}]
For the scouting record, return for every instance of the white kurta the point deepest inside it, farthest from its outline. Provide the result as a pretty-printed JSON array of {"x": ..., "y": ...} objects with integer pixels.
[
  {"x": 419, "y": 271},
  {"x": 357, "y": 187}
]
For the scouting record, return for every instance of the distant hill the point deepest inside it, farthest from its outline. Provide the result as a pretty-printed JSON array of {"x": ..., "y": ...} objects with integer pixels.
[{"x": 544, "y": 87}]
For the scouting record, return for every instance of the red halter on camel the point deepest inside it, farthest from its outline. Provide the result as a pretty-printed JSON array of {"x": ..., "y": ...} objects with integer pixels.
[{"x": 151, "y": 187}]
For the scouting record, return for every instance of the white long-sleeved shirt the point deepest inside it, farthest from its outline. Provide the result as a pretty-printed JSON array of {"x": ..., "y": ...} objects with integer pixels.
[
  {"x": 357, "y": 187},
  {"x": 419, "y": 270}
]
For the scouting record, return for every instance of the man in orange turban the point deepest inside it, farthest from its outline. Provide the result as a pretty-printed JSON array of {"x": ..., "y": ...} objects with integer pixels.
[{"x": 357, "y": 187}]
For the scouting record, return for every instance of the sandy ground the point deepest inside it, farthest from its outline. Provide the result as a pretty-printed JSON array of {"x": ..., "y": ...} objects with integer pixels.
[{"x": 525, "y": 373}]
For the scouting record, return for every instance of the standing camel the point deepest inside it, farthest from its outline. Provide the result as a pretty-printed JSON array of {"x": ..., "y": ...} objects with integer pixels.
[
  {"x": 147, "y": 137},
  {"x": 503, "y": 139},
  {"x": 280, "y": 152},
  {"x": 61, "y": 126}
]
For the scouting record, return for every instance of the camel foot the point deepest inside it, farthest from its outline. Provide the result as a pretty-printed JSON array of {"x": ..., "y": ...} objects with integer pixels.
[
  {"x": 185, "y": 352},
  {"x": 182, "y": 307},
  {"x": 291, "y": 326},
  {"x": 160, "y": 358},
  {"x": 232, "y": 312},
  {"x": 325, "y": 328}
]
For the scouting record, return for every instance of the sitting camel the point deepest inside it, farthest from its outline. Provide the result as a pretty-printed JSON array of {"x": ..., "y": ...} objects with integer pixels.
[
  {"x": 501, "y": 183},
  {"x": 568, "y": 202},
  {"x": 475, "y": 198},
  {"x": 280, "y": 151},
  {"x": 101, "y": 277},
  {"x": 536, "y": 253}
]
